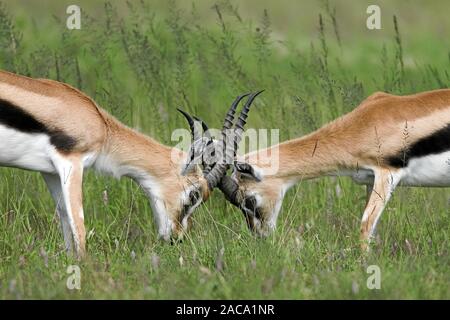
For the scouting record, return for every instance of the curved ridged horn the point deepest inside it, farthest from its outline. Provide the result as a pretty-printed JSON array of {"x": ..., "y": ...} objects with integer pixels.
[
  {"x": 194, "y": 133},
  {"x": 218, "y": 172},
  {"x": 228, "y": 186},
  {"x": 242, "y": 120},
  {"x": 230, "y": 189},
  {"x": 206, "y": 166},
  {"x": 227, "y": 124},
  {"x": 204, "y": 126},
  {"x": 229, "y": 118}
]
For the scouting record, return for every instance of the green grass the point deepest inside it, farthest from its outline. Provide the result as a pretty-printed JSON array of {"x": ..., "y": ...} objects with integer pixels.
[{"x": 140, "y": 63}]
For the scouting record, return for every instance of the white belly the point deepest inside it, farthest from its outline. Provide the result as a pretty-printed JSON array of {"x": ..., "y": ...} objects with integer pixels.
[
  {"x": 25, "y": 150},
  {"x": 429, "y": 171}
]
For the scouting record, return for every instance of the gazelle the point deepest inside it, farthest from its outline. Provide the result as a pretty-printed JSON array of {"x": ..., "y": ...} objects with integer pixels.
[
  {"x": 386, "y": 141},
  {"x": 53, "y": 128}
]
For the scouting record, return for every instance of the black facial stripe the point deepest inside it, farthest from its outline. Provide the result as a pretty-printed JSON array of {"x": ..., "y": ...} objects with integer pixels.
[
  {"x": 16, "y": 118},
  {"x": 435, "y": 143},
  {"x": 250, "y": 205},
  {"x": 194, "y": 196}
]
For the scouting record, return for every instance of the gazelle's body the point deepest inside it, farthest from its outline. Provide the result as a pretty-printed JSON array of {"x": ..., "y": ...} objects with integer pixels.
[
  {"x": 385, "y": 142},
  {"x": 53, "y": 128}
]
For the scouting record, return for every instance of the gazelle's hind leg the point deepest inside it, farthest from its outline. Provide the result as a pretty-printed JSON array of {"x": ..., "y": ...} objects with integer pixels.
[
  {"x": 384, "y": 184},
  {"x": 54, "y": 186},
  {"x": 70, "y": 171}
]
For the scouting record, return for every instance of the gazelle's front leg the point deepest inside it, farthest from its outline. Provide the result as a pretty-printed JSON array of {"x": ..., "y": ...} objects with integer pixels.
[
  {"x": 369, "y": 189},
  {"x": 384, "y": 184},
  {"x": 70, "y": 171},
  {"x": 54, "y": 186}
]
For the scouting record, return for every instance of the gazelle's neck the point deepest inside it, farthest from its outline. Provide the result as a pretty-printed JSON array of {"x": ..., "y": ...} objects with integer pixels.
[
  {"x": 127, "y": 152},
  {"x": 317, "y": 154}
]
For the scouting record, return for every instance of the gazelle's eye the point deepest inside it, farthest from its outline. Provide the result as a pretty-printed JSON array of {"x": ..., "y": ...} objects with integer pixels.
[{"x": 247, "y": 171}]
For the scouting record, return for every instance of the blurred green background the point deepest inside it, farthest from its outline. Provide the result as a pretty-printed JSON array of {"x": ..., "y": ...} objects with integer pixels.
[{"x": 141, "y": 59}]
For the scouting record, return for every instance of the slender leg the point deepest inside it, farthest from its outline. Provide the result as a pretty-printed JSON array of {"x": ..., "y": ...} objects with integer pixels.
[
  {"x": 369, "y": 189},
  {"x": 384, "y": 184},
  {"x": 54, "y": 186},
  {"x": 70, "y": 170}
]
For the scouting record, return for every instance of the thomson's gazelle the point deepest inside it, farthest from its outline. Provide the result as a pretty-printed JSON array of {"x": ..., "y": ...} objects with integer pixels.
[
  {"x": 53, "y": 128},
  {"x": 387, "y": 141}
]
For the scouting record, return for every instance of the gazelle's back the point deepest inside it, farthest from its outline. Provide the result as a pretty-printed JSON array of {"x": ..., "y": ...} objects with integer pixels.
[
  {"x": 383, "y": 126},
  {"x": 37, "y": 106},
  {"x": 42, "y": 118}
]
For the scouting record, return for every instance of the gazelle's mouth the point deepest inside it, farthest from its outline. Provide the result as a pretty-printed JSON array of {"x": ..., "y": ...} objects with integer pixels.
[
  {"x": 258, "y": 227},
  {"x": 257, "y": 224},
  {"x": 262, "y": 230}
]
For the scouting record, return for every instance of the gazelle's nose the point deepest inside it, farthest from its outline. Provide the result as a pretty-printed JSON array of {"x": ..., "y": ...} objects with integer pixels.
[
  {"x": 174, "y": 241},
  {"x": 177, "y": 236}
]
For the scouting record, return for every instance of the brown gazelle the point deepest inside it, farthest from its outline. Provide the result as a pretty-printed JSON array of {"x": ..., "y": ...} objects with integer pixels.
[
  {"x": 386, "y": 141},
  {"x": 53, "y": 128}
]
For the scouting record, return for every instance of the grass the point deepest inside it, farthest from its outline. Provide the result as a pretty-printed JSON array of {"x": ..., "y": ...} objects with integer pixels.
[{"x": 144, "y": 60}]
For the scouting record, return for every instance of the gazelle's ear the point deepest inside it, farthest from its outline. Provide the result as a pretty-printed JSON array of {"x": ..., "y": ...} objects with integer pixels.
[{"x": 247, "y": 170}]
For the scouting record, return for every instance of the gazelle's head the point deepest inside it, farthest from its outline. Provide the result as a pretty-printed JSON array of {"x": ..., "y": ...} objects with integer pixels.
[
  {"x": 259, "y": 197},
  {"x": 206, "y": 163}
]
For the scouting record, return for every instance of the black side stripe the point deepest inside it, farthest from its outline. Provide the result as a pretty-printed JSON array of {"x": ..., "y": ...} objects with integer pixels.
[
  {"x": 435, "y": 143},
  {"x": 16, "y": 118}
]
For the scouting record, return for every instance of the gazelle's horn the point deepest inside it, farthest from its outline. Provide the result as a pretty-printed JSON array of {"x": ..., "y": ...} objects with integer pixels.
[
  {"x": 227, "y": 124},
  {"x": 204, "y": 127},
  {"x": 242, "y": 120},
  {"x": 218, "y": 172},
  {"x": 194, "y": 133}
]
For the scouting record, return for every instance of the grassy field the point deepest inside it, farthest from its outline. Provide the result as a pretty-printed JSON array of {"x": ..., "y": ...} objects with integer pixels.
[{"x": 140, "y": 61}]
